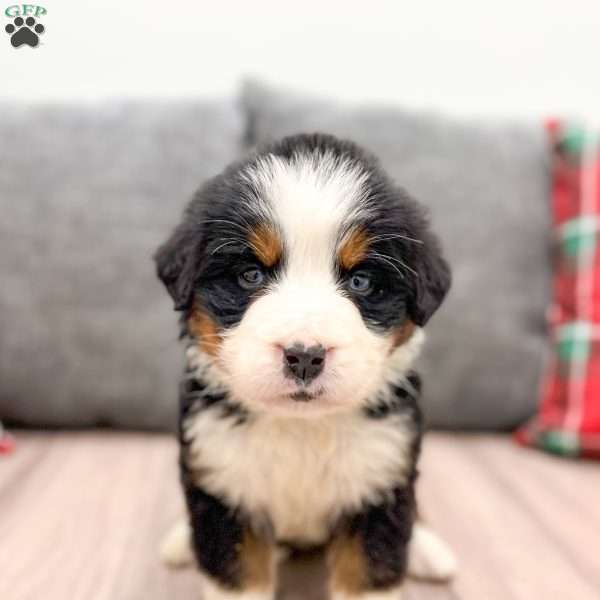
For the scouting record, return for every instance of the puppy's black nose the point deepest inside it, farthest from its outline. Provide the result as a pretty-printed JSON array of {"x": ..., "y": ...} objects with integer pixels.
[{"x": 304, "y": 364}]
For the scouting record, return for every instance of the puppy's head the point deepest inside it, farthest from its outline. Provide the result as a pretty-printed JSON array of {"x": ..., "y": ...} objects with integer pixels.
[{"x": 304, "y": 276}]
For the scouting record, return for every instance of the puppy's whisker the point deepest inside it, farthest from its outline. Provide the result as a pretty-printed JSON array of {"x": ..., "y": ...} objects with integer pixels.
[
  {"x": 227, "y": 222},
  {"x": 229, "y": 242},
  {"x": 394, "y": 236},
  {"x": 389, "y": 262},
  {"x": 391, "y": 259}
]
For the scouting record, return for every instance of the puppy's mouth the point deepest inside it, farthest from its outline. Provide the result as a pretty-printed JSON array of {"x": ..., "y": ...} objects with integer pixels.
[{"x": 304, "y": 396}]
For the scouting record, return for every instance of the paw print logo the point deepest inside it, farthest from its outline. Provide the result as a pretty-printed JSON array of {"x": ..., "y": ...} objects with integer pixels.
[{"x": 24, "y": 32}]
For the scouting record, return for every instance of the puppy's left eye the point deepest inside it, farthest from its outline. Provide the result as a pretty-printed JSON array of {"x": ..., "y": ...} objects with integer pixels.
[
  {"x": 360, "y": 283},
  {"x": 251, "y": 278}
]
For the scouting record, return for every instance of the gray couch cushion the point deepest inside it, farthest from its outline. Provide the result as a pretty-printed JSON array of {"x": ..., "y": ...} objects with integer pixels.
[
  {"x": 487, "y": 187},
  {"x": 87, "y": 333}
]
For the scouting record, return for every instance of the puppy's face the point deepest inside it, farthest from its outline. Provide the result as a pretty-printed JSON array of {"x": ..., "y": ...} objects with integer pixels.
[{"x": 304, "y": 276}]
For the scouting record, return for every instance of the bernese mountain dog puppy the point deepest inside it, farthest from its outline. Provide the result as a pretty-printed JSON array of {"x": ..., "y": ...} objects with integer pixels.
[{"x": 304, "y": 277}]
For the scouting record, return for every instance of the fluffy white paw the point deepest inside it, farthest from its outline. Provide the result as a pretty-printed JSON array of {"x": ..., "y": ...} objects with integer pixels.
[
  {"x": 429, "y": 556},
  {"x": 176, "y": 549}
]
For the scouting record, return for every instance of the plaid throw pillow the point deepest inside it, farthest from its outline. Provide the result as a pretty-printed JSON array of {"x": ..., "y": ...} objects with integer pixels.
[{"x": 568, "y": 419}]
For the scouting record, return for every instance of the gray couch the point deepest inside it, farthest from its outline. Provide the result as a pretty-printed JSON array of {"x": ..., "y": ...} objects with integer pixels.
[{"x": 87, "y": 192}]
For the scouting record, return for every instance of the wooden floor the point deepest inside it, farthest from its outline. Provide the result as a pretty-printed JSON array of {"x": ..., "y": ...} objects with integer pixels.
[{"x": 81, "y": 515}]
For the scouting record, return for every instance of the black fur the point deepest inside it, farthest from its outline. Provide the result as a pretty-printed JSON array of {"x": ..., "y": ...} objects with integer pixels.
[
  {"x": 217, "y": 532},
  {"x": 217, "y": 529},
  {"x": 194, "y": 396},
  {"x": 405, "y": 396},
  {"x": 384, "y": 531}
]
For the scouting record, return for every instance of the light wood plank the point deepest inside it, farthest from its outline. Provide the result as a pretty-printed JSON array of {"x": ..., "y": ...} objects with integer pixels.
[
  {"x": 504, "y": 552},
  {"x": 81, "y": 516},
  {"x": 558, "y": 508}
]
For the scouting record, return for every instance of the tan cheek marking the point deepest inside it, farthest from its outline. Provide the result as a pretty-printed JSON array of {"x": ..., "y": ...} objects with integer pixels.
[
  {"x": 205, "y": 331},
  {"x": 353, "y": 248},
  {"x": 346, "y": 560},
  {"x": 402, "y": 334},
  {"x": 266, "y": 243},
  {"x": 256, "y": 557}
]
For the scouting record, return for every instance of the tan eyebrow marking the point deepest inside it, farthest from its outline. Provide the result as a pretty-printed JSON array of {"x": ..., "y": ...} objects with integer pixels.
[
  {"x": 266, "y": 243},
  {"x": 353, "y": 248}
]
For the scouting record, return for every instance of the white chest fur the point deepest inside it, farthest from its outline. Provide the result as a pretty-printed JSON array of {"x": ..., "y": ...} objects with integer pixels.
[{"x": 299, "y": 473}]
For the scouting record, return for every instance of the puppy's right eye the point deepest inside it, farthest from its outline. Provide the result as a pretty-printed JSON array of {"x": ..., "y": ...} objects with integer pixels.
[
  {"x": 251, "y": 278},
  {"x": 361, "y": 283}
]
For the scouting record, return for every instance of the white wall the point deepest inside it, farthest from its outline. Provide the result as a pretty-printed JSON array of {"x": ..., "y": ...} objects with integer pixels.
[{"x": 528, "y": 57}]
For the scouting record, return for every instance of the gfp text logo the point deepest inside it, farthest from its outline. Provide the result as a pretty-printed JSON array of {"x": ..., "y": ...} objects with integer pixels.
[{"x": 24, "y": 28}]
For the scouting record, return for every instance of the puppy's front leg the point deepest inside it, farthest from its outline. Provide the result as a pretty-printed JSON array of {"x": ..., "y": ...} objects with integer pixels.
[
  {"x": 369, "y": 555},
  {"x": 236, "y": 562}
]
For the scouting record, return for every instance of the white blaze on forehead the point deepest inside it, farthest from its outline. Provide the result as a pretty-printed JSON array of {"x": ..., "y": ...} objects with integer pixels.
[{"x": 312, "y": 198}]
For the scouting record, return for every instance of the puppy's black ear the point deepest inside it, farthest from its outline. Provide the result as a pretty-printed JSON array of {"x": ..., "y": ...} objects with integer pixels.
[
  {"x": 432, "y": 283},
  {"x": 176, "y": 264}
]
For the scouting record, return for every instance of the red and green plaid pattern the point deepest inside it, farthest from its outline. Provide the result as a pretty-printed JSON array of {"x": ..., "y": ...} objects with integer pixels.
[{"x": 568, "y": 419}]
